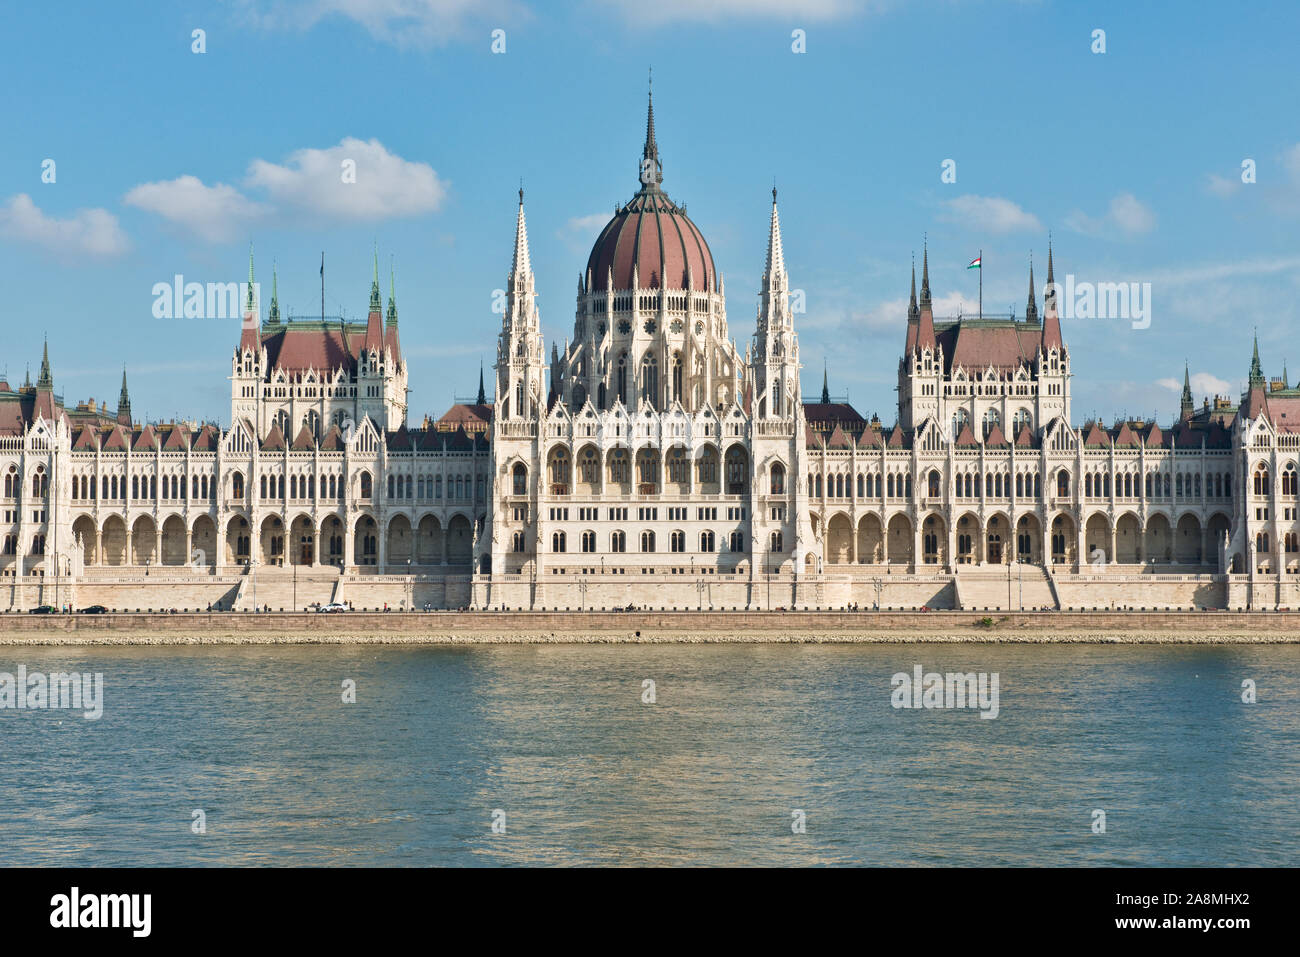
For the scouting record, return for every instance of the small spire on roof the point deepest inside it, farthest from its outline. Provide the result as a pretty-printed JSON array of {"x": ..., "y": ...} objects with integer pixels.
[
  {"x": 376, "y": 302},
  {"x": 392, "y": 294},
  {"x": 46, "y": 381},
  {"x": 651, "y": 171},
  {"x": 826, "y": 391},
  {"x": 925, "y": 274},
  {"x": 482, "y": 394},
  {"x": 274, "y": 314},
  {"x": 912, "y": 309},
  {"x": 1031, "y": 309}
]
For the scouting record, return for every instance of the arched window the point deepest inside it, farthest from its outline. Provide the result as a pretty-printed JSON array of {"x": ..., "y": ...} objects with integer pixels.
[
  {"x": 620, "y": 378},
  {"x": 367, "y": 486},
  {"x": 588, "y": 541},
  {"x": 1261, "y": 486},
  {"x": 778, "y": 543},
  {"x": 706, "y": 541},
  {"x": 933, "y": 484},
  {"x": 677, "y": 541},
  {"x": 959, "y": 419},
  {"x": 778, "y": 479},
  {"x": 647, "y": 541},
  {"x": 860, "y": 492},
  {"x": 991, "y": 418},
  {"x": 1063, "y": 484},
  {"x": 590, "y": 466},
  {"x": 650, "y": 379},
  {"x": 618, "y": 542},
  {"x": 517, "y": 542},
  {"x": 557, "y": 542},
  {"x": 520, "y": 474},
  {"x": 737, "y": 543},
  {"x": 677, "y": 376},
  {"x": 1289, "y": 480},
  {"x": 236, "y": 485}
]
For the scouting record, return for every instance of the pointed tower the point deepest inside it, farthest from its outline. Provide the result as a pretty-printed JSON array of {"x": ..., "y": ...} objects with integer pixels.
[
  {"x": 775, "y": 347},
  {"x": 124, "y": 403},
  {"x": 1051, "y": 320},
  {"x": 1186, "y": 407},
  {"x": 925, "y": 331},
  {"x": 390, "y": 317},
  {"x": 1031, "y": 308},
  {"x": 1256, "y": 370},
  {"x": 913, "y": 310},
  {"x": 45, "y": 380},
  {"x": 273, "y": 315},
  {"x": 482, "y": 395},
  {"x": 520, "y": 360},
  {"x": 826, "y": 389}
]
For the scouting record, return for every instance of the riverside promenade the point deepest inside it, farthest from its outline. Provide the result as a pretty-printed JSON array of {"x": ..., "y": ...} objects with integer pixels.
[{"x": 445, "y": 627}]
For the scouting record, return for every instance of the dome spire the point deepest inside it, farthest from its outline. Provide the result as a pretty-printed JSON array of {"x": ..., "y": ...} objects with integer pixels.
[{"x": 651, "y": 171}]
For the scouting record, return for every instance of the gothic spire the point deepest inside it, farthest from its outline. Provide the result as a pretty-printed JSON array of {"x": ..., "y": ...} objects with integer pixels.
[
  {"x": 1031, "y": 309},
  {"x": 376, "y": 301},
  {"x": 826, "y": 389},
  {"x": 775, "y": 265},
  {"x": 124, "y": 402},
  {"x": 250, "y": 304},
  {"x": 482, "y": 395},
  {"x": 913, "y": 310},
  {"x": 925, "y": 276},
  {"x": 651, "y": 171},
  {"x": 1186, "y": 405},
  {"x": 1051, "y": 317},
  {"x": 392, "y": 296},
  {"x": 1256, "y": 371},
  {"x": 46, "y": 381},
  {"x": 521, "y": 266},
  {"x": 274, "y": 314}
]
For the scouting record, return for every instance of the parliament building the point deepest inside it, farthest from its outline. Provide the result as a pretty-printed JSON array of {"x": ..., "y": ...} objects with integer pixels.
[{"x": 651, "y": 463}]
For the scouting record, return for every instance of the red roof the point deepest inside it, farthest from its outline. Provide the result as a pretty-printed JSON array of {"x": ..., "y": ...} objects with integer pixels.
[
  {"x": 977, "y": 344},
  {"x": 657, "y": 237}
]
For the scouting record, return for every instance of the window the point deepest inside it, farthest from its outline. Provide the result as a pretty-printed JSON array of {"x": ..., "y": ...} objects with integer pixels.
[
  {"x": 737, "y": 542},
  {"x": 618, "y": 542},
  {"x": 777, "y": 542},
  {"x": 1063, "y": 484},
  {"x": 367, "y": 486},
  {"x": 706, "y": 541},
  {"x": 677, "y": 541},
  {"x": 647, "y": 541},
  {"x": 517, "y": 542},
  {"x": 1261, "y": 483},
  {"x": 558, "y": 542},
  {"x": 588, "y": 541}
]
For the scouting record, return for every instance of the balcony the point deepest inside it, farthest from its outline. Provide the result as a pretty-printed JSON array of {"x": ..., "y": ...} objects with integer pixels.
[{"x": 559, "y": 488}]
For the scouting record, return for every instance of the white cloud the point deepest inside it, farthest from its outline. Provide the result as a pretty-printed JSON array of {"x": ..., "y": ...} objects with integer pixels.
[
  {"x": 214, "y": 213},
  {"x": 1222, "y": 185},
  {"x": 991, "y": 214},
  {"x": 1127, "y": 215},
  {"x": 88, "y": 232},
  {"x": 403, "y": 23},
  {"x": 1202, "y": 383},
  {"x": 309, "y": 188},
  {"x": 386, "y": 186}
]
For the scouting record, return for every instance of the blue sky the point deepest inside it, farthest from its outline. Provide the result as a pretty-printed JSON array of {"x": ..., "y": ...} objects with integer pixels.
[{"x": 168, "y": 161}]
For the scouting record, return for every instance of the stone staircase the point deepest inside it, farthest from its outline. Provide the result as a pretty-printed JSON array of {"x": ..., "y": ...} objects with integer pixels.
[
  {"x": 982, "y": 587},
  {"x": 275, "y": 588}
]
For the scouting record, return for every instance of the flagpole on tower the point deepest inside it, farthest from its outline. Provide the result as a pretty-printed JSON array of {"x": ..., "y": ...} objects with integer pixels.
[{"x": 981, "y": 272}]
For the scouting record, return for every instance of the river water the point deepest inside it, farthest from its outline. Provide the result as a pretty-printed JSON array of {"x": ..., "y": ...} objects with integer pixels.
[{"x": 740, "y": 745}]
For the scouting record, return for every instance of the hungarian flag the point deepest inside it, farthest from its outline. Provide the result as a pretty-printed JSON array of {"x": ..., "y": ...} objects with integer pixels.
[{"x": 975, "y": 263}]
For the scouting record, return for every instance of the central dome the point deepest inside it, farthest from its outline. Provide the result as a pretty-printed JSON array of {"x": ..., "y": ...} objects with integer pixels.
[{"x": 651, "y": 235}]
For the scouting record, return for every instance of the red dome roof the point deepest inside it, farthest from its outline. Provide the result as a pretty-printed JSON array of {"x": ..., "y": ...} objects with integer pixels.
[{"x": 658, "y": 238}]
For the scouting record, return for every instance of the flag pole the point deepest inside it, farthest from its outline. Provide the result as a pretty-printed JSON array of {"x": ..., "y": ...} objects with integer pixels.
[
  {"x": 981, "y": 272},
  {"x": 322, "y": 286}
]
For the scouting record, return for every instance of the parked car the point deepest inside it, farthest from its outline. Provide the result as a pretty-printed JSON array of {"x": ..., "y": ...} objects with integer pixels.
[
  {"x": 333, "y": 607},
  {"x": 94, "y": 610},
  {"x": 43, "y": 610}
]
